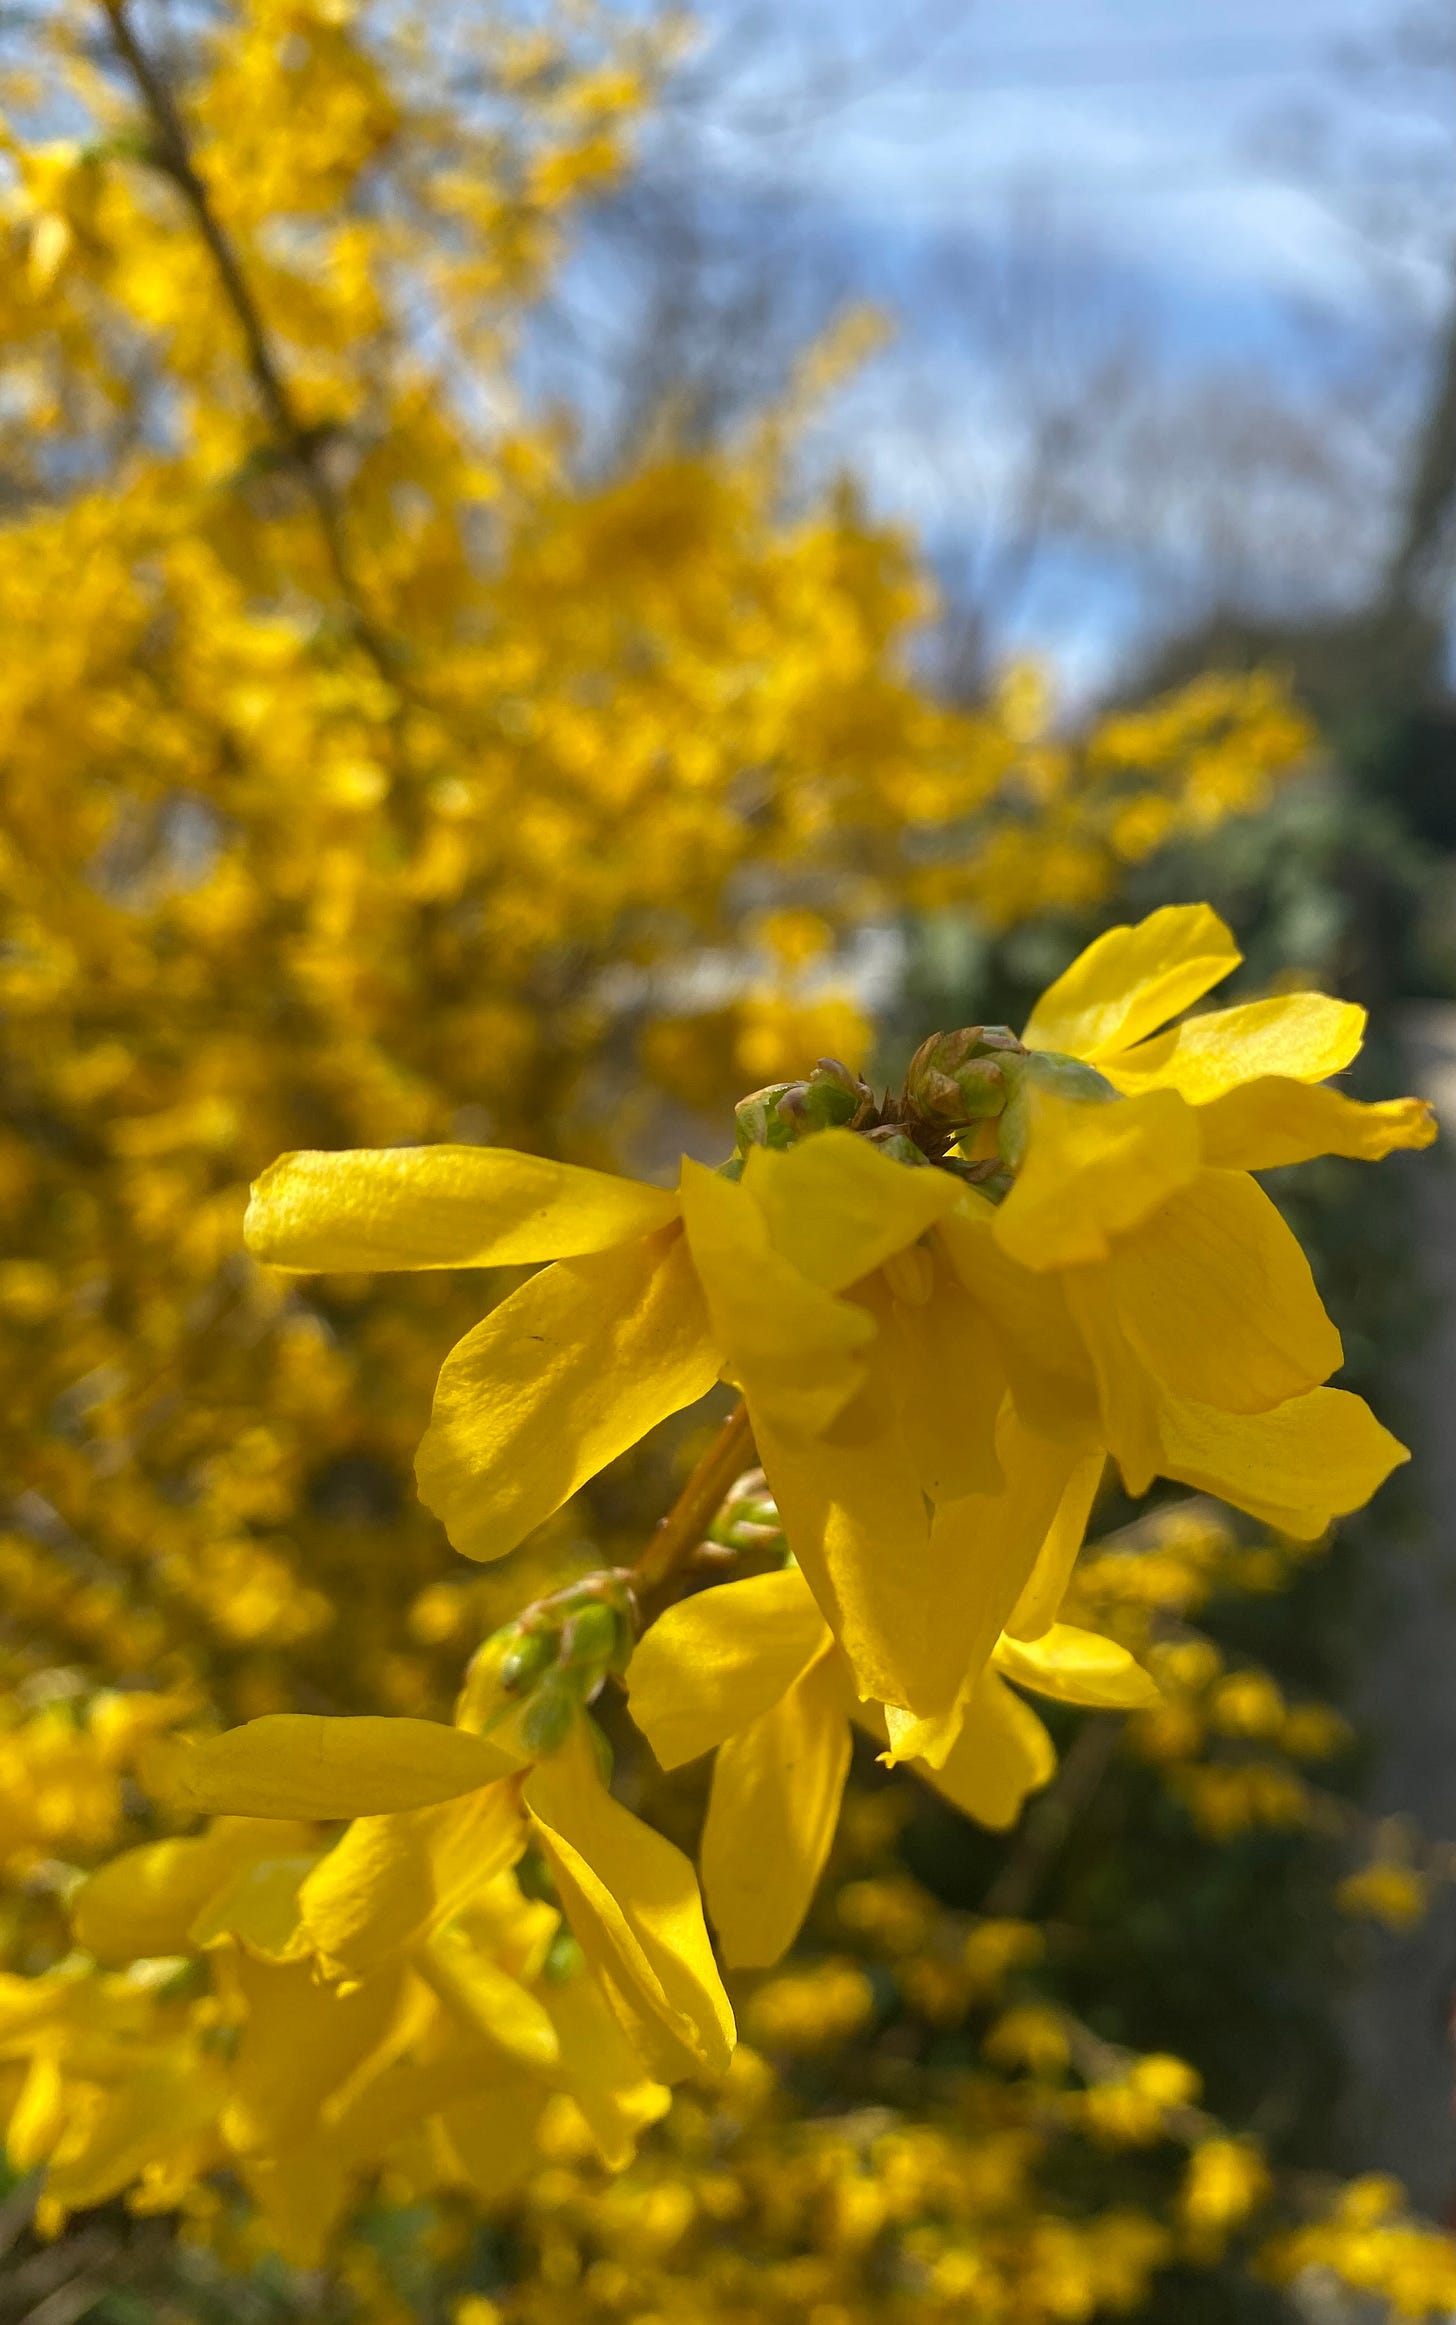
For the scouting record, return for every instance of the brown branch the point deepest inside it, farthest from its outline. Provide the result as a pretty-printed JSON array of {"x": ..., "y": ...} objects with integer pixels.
[
  {"x": 1048, "y": 1823},
  {"x": 678, "y": 1534},
  {"x": 171, "y": 153}
]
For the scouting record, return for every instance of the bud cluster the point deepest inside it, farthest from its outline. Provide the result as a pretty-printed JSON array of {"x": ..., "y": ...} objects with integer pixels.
[
  {"x": 957, "y": 1079},
  {"x": 552, "y": 1660},
  {"x": 830, "y": 1098},
  {"x": 956, "y": 1083}
]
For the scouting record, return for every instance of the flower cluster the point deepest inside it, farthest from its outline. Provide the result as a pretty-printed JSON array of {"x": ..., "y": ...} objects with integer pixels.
[
  {"x": 374, "y": 785},
  {"x": 943, "y": 1311},
  {"x": 407, "y": 1999}
]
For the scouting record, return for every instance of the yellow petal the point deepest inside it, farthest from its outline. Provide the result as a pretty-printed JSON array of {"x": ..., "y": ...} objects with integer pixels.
[
  {"x": 1272, "y": 1122},
  {"x": 856, "y": 1520},
  {"x": 986, "y": 1548},
  {"x": 427, "y": 2061},
  {"x": 949, "y": 1377},
  {"x": 299, "y": 2041},
  {"x": 259, "y": 1905},
  {"x": 1092, "y": 1172},
  {"x": 772, "y": 1811},
  {"x": 391, "y": 1879},
  {"x": 1127, "y": 1395},
  {"x": 601, "y": 2071},
  {"x": 836, "y": 1208},
  {"x": 491, "y": 2140},
  {"x": 1036, "y": 1609},
  {"x": 515, "y": 1930},
  {"x": 1306, "y": 1036},
  {"x": 793, "y": 1347},
  {"x": 712, "y": 1664},
  {"x": 167, "y": 2102},
  {"x": 1000, "y": 1754},
  {"x": 559, "y": 1380},
  {"x": 1076, "y": 1666},
  {"x": 1214, "y": 1297},
  {"x": 1314, "y": 1459},
  {"x": 145, "y": 1901},
  {"x": 1131, "y": 980},
  {"x": 441, "y": 1206},
  {"x": 1046, "y": 1364},
  {"x": 633, "y": 1904},
  {"x": 488, "y": 2000},
  {"x": 301, "y": 2198},
  {"x": 292, "y": 1764},
  {"x": 38, "y": 2115}
]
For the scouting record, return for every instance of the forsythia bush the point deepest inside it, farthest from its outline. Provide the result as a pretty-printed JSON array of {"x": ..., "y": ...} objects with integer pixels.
[
  {"x": 372, "y": 785},
  {"x": 368, "y": 781}
]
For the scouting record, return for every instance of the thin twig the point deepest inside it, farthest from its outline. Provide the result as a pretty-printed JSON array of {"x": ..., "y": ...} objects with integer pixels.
[
  {"x": 70, "y": 2301},
  {"x": 17, "y": 2210},
  {"x": 679, "y": 1533},
  {"x": 172, "y": 154},
  {"x": 1047, "y": 1824}
]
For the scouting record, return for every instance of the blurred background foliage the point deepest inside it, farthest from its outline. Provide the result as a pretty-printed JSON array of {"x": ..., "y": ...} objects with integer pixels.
[{"x": 403, "y": 742}]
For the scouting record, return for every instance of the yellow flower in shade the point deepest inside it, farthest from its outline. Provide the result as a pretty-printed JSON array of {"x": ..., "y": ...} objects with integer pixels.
[
  {"x": 926, "y": 1374},
  {"x": 751, "y": 1670},
  {"x": 438, "y": 1813},
  {"x": 393, "y": 2000},
  {"x": 107, "y": 2086},
  {"x": 1145, "y": 1289}
]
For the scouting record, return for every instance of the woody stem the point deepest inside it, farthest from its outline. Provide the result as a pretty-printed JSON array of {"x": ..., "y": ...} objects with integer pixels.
[
  {"x": 679, "y": 1533},
  {"x": 172, "y": 154}
]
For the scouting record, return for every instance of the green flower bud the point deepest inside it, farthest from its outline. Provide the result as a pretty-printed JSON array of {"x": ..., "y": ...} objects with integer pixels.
[
  {"x": 590, "y": 1638},
  {"x": 759, "y": 1120},
  {"x": 748, "y": 1518},
  {"x": 830, "y": 1098},
  {"x": 523, "y": 1664},
  {"x": 601, "y": 1749},
  {"x": 546, "y": 1720},
  {"x": 815, "y": 1105},
  {"x": 1044, "y": 1069},
  {"x": 957, "y": 1078},
  {"x": 897, "y": 1145},
  {"x": 625, "y": 1618}
]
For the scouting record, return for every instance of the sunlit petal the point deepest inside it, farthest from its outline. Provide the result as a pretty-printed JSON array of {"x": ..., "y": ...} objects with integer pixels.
[
  {"x": 1092, "y": 1173},
  {"x": 441, "y": 1206},
  {"x": 294, "y": 1764},
  {"x": 1131, "y": 980},
  {"x": 1307, "y": 1036},
  {"x": 1214, "y": 1298},
  {"x": 716, "y": 1662},
  {"x": 836, "y": 1208},
  {"x": 1076, "y": 1666},
  {"x": 793, "y": 1347},
  {"x": 632, "y": 1901},
  {"x": 772, "y": 1812},
  {"x": 559, "y": 1380},
  {"x": 1269, "y": 1123}
]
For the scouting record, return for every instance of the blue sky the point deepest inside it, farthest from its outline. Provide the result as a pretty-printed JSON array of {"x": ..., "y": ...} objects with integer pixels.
[
  {"x": 1200, "y": 182},
  {"x": 1143, "y": 116}
]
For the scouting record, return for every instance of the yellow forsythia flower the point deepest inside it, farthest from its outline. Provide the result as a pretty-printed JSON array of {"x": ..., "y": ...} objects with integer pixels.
[
  {"x": 921, "y": 1368},
  {"x": 752, "y": 1670},
  {"x": 441, "y": 1810}
]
